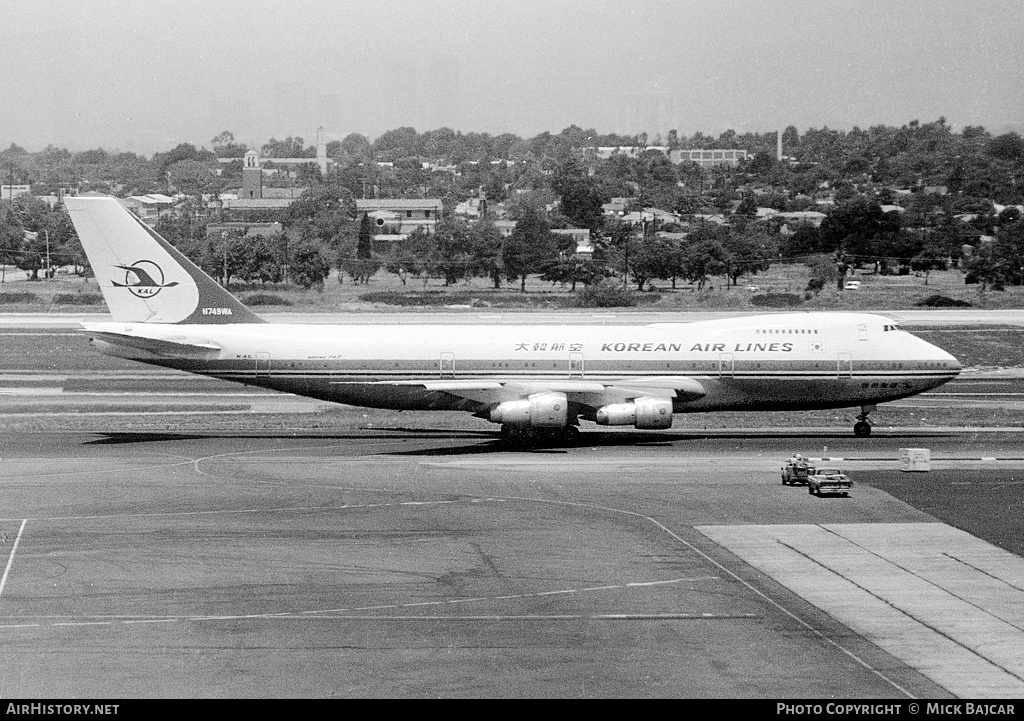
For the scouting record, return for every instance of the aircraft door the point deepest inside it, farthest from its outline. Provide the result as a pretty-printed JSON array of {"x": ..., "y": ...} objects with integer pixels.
[
  {"x": 725, "y": 364},
  {"x": 575, "y": 365},
  {"x": 262, "y": 365},
  {"x": 862, "y": 332},
  {"x": 844, "y": 365},
  {"x": 447, "y": 365}
]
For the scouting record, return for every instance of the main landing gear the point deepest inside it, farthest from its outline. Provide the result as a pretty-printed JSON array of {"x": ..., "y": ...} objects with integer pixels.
[{"x": 862, "y": 429}]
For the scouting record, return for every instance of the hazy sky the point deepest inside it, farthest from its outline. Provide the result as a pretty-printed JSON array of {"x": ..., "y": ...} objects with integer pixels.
[{"x": 144, "y": 76}]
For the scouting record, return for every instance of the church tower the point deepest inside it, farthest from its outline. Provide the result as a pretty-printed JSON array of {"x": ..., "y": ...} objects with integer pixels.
[
  {"x": 321, "y": 151},
  {"x": 252, "y": 176}
]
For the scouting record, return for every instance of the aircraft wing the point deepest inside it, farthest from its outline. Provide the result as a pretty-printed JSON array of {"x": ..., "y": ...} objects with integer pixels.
[{"x": 487, "y": 392}]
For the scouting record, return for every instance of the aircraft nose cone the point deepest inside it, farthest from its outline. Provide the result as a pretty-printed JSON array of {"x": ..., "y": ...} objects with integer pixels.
[{"x": 948, "y": 360}]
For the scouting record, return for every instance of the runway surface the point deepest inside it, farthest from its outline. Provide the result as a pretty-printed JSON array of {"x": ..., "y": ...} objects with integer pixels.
[{"x": 432, "y": 563}]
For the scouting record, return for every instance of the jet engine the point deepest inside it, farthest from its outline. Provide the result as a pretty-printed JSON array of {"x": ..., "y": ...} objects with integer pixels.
[
  {"x": 541, "y": 410},
  {"x": 645, "y": 413}
]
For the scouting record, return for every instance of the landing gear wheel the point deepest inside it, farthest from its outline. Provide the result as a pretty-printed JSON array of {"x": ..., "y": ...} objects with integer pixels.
[
  {"x": 514, "y": 437},
  {"x": 862, "y": 429},
  {"x": 571, "y": 435}
]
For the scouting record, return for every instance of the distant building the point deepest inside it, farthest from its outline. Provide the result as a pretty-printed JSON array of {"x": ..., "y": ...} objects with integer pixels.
[
  {"x": 401, "y": 216},
  {"x": 478, "y": 208},
  {"x": 617, "y": 207},
  {"x": 10, "y": 192},
  {"x": 649, "y": 215},
  {"x": 581, "y": 236},
  {"x": 252, "y": 177},
  {"x": 707, "y": 158},
  {"x": 248, "y": 230},
  {"x": 253, "y": 170},
  {"x": 812, "y": 217},
  {"x": 148, "y": 207},
  {"x": 630, "y": 151},
  {"x": 505, "y": 227}
]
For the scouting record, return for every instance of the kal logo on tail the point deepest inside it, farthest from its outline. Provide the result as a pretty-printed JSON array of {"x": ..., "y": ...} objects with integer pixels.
[{"x": 144, "y": 273}]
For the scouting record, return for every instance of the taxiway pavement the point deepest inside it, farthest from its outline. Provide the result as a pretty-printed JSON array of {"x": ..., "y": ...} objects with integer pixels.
[{"x": 427, "y": 562}]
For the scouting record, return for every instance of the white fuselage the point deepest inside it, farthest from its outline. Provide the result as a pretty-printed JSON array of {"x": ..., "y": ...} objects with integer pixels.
[{"x": 769, "y": 362}]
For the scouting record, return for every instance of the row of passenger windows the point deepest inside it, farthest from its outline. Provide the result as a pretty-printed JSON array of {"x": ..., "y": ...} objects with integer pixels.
[
  {"x": 787, "y": 331},
  {"x": 596, "y": 366}
]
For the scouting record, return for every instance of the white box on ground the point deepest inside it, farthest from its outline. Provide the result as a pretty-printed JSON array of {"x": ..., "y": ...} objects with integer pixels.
[{"x": 915, "y": 459}]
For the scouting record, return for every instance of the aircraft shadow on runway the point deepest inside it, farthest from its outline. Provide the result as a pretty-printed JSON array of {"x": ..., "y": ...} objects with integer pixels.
[
  {"x": 119, "y": 438},
  {"x": 475, "y": 442},
  {"x": 637, "y": 439}
]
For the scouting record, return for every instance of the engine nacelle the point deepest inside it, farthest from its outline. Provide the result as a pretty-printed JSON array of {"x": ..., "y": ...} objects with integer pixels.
[
  {"x": 645, "y": 413},
  {"x": 653, "y": 412},
  {"x": 617, "y": 414},
  {"x": 541, "y": 410}
]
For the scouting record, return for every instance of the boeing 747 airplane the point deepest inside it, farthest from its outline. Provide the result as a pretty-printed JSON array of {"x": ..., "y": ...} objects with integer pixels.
[{"x": 537, "y": 381}]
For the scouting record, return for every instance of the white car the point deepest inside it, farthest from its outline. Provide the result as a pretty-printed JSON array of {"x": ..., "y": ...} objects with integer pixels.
[{"x": 852, "y": 285}]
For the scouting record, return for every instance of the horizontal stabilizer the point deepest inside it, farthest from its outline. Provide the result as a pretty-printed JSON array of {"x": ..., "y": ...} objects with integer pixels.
[{"x": 162, "y": 347}]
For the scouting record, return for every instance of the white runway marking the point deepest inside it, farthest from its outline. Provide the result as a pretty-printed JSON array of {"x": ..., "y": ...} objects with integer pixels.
[
  {"x": 939, "y": 599},
  {"x": 362, "y": 613},
  {"x": 275, "y": 509},
  {"x": 10, "y": 559}
]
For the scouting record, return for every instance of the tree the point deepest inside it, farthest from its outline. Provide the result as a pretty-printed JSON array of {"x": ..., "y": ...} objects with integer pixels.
[
  {"x": 530, "y": 248},
  {"x": 452, "y": 257},
  {"x": 191, "y": 177},
  {"x": 486, "y": 249},
  {"x": 747, "y": 206},
  {"x": 225, "y": 256},
  {"x": 701, "y": 259},
  {"x": 10, "y": 244},
  {"x": 395, "y": 144},
  {"x": 409, "y": 258},
  {"x": 581, "y": 197},
  {"x": 986, "y": 267},
  {"x": 823, "y": 272},
  {"x": 45, "y": 235},
  {"x": 358, "y": 147},
  {"x": 804, "y": 240},
  {"x": 224, "y": 146},
  {"x": 323, "y": 211},
  {"x": 1009, "y": 146},
  {"x": 182, "y": 151},
  {"x": 364, "y": 248},
  {"x": 360, "y": 270},
  {"x": 748, "y": 252},
  {"x": 572, "y": 269},
  {"x": 930, "y": 258},
  {"x": 308, "y": 265},
  {"x": 650, "y": 258},
  {"x": 860, "y": 228},
  {"x": 288, "y": 148},
  {"x": 264, "y": 259}
]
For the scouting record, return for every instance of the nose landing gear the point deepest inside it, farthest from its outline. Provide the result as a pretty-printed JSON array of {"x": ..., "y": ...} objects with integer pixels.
[{"x": 862, "y": 429}]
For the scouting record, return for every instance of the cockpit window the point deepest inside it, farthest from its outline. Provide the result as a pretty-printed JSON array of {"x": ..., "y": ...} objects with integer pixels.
[{"x": 891, "y": 326}]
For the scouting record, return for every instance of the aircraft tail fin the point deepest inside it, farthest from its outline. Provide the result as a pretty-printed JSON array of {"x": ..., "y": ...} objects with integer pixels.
[{"x": 143, "y": 278}]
